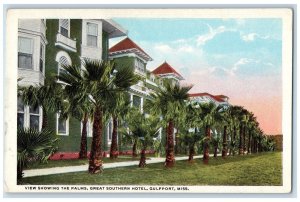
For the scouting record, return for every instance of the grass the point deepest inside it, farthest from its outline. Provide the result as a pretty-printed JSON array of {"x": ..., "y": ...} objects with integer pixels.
[
  {"x": 77, "y": 162},
  {"x": 253, "y": 170}
]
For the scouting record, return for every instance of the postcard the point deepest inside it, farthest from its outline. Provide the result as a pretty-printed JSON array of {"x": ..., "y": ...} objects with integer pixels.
[{"x": 148, "y": 100}]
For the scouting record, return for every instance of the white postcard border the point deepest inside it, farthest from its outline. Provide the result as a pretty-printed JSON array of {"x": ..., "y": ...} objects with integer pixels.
[{"x": 10, "y": 75}]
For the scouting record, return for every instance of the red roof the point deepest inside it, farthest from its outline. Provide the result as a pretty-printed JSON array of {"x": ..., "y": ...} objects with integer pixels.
[
  {"x": 165, "y": 68},
  {"x": 219, "y": 98},
  {"x": 127, "y": 44}
]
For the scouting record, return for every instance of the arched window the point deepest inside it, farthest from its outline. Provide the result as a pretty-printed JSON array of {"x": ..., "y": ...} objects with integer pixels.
[
  {"x": 62, "y": 62},
  {"x": 62, "y": 125},
  {"x": 62, "y": 58}
]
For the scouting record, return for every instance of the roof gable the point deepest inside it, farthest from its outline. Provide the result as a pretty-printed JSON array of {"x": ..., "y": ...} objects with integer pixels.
[
  {"x": 127, "y": 45},
  {"x": 218, "y": 98},
  {"x": 165, "y": 68}
]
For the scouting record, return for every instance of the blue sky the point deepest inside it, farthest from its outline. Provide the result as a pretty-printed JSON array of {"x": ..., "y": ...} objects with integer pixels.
[
  {"x": 192, "y": 44},
  {"x": 240, "y": 58}
]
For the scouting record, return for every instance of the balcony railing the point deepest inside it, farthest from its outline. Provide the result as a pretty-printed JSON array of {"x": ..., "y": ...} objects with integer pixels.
[{"x": 65, "y": 42}]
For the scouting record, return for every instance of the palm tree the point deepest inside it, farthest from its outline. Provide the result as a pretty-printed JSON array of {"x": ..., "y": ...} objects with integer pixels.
[
  {"x": 222, "y": 120},
  {"x": 190, "y": 133},
  {"x": 146, "y": 129},
  {"x": 79, "y": 102},
  {"x": 129, "y": 138},
  {"x": 169, "y": 101},
  {"x": 234, "y": 114},
  {"x": 100, "y": 82},
  {"x": 216, "y": 141},
  {"x": 245, "y": 121},
  {"x": 208, "y": 115},
  {"x": 118, "y": 108},
  {"x": 33, "y": 145},
  {"x": 268, "y": 143},
  {"x": 48, "y": 96},
  {"x": 252, "y": 124}
]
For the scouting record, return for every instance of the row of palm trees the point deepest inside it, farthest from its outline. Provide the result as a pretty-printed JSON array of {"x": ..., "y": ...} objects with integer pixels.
[{"x": 98, "y": 92}]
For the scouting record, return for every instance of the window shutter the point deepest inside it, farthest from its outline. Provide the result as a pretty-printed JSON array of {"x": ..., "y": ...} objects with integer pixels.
[{"x": 64, "y": 23}]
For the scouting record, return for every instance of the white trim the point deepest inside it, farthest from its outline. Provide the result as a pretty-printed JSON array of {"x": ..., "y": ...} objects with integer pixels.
[
  {"x": 30, "y": 32},
  {"x": 151, "y": 82},
  {"x": 65, "y": 47},
  {"x": 108, "y": 132},
  {"x": 67, "y": 126},
  {"x": 131, "y": 52},
  {"x": 59, "y": 54},
  {"x": 171, "y": 76}
]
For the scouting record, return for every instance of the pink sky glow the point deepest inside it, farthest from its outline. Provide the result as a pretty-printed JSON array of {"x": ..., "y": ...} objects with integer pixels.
[{"x": 261, "y": 95}]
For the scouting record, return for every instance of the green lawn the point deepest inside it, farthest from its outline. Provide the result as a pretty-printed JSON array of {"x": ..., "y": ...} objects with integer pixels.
[
  {"x": 77, "y": 162},
  {"x": 258, "y": 169}
]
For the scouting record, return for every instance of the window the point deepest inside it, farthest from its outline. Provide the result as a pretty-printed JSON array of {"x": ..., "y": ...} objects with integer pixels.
[
  {"x": 92, "y": 34},
  {"x": 161, "y": 82},
  {"x": 62, "y": 62},
  {"x": 42, "y": 58},
  {"x": 20, "y": 117},
  {"x": 28, "y": 116},
  {"x": 34, "y": 117},
  {"x": 25, "y": 53},
  {"x": 64, "y": 27},
  {"x": 152, "y": 78},
  {"x": 139, "y": 65},
  {"x": 62, "y": 125},
  {"x": 136, "y": 100},
  {"x": 109, "y": 130},
  {"x": 89, "y": 128}
]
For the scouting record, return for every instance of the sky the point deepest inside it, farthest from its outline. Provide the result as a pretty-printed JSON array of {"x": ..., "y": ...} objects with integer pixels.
[{"x": 240, "y": 58}]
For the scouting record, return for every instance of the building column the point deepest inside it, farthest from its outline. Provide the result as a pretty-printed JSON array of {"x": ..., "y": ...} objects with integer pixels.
[
  {"x": 142, "y": 104},
  {"x": 131, "y": 99}
]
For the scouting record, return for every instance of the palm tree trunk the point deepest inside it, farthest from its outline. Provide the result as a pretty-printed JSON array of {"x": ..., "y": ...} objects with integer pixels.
[
  {"x": 177, "y": 143},
  {"x": 252, "y": 145},
  {"x": 83, "y": 143},
  {"x": 142, "y": 163},
  {"x": 206, "y": 146},
  {"x": 255, "y": 145},
  {"x": 224, "y": 150},
  {"x": 114, "y": 141},
  {"x": 95, "y": 162},
  {"x": 170, "y": 159},
  {"x": 259, "y": 146},
  {"x": 215, "y": 150},
  {"x": 134, "y": 152},
  {"x": 191, "y": 153},
  {"x": 234, "y": 139},
  {"x": 45, "y": 119},
  {"x": 244, "y": 139},
  {"x": 249, "y": 142},
  {"x": 241, "y": 150},
  {"x": 19, "y": 171}
]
